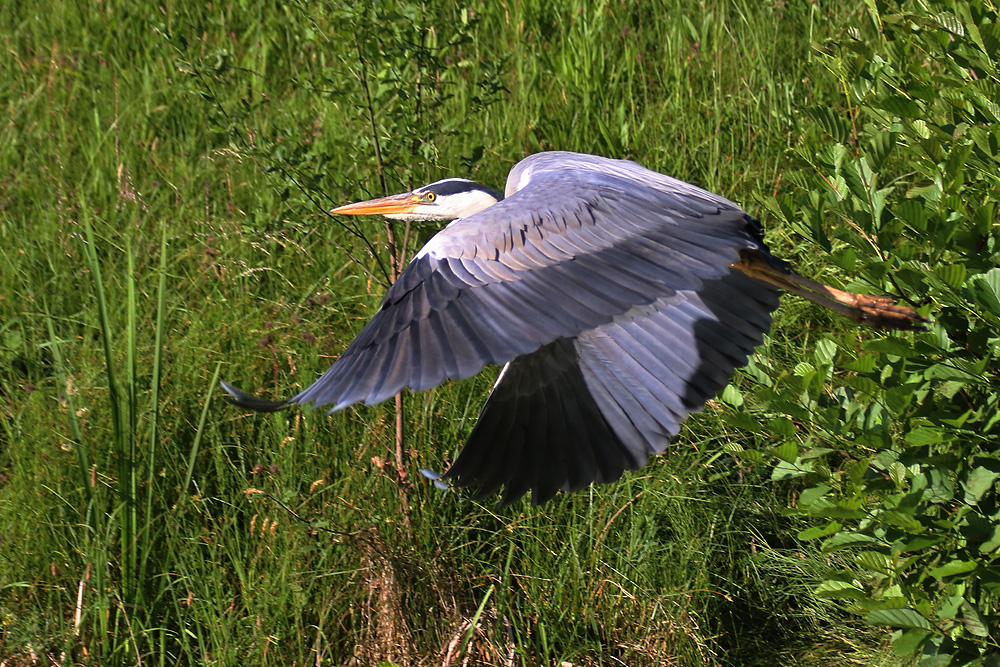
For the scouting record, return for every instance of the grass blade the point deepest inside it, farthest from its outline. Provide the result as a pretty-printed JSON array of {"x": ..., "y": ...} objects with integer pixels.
[{"x": 201, "y": 430}]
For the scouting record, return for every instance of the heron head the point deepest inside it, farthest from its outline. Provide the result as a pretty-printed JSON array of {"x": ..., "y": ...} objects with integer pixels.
[{"x": 448, "y": 199}]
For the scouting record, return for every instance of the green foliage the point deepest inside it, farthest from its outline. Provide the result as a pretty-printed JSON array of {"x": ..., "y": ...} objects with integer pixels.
[
  {"x": 167, "y": 169},
  {"x": 899, "y": 438}
]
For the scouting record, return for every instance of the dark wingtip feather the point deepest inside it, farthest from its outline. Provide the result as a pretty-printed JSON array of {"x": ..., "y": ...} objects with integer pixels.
[{"x": 246, "y": 401}]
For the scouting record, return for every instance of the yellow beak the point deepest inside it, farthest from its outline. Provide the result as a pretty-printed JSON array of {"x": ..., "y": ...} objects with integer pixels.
[{"x": 394, "y": 204}]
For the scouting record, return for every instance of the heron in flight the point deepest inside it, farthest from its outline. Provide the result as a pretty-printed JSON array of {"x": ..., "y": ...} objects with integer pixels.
[{"x": 617, "y": 299}]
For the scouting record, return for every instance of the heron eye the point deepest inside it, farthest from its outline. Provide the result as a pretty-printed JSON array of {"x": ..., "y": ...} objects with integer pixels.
[{"x": 429, "y": 196}]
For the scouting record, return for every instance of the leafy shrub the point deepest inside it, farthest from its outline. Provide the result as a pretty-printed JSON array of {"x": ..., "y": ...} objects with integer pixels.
[{"x": 900, "y": 462}]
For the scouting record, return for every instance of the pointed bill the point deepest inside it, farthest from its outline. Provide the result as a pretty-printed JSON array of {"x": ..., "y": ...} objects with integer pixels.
[{"x": 392, "y": 205}]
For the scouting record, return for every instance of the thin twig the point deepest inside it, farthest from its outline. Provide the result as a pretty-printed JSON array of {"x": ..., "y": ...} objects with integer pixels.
[
  {"x": 252, "y": 152},
  {"x": 349, "y": 228},
  {"x": 128, "y": 627},
  {"x": 295, "y": 515},
  {"x": 395, "y": 261}
]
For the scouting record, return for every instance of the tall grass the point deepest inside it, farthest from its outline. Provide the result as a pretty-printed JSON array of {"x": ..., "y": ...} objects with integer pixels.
[{"x": 161, "y": 223}]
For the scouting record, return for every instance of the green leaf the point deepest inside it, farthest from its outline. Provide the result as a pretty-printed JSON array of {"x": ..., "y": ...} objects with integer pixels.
[
  {"x": 919, "y": 128},
  {"x": 866, "y": 363},
  {"x": 825, "y": 351},
  {"x": 912, "y": 212},
  {"x": 745, "y": 421},
  {"x": 880, "y": 146},
  {"x": 969, "y": 23},
  {"x": 991, "y": 582},
  {"x": 899, "y": 618},
  {"x": 813, "y": 494},
  {"x": 857, "y": 469},
  {"x": 949, "y": 605},
  {"x": 948, "y": 371},
  {"x": 897, "y": 471},
  {"x": 900, "y": 106},
  {"x": 918, "y": 543},
  {"x": 847, "y": 259},
  {"x": 855, "y": 180},
  {"x": 732, "y": 448},
  {"x": 845, "y": 540},
  {"x": 896, "y": 346},
  {"x": 873, "y": 560},
  {"x": 840, "y": 590},
  {"x": 902, "y": 520},
  {"x": 979, "y": 481},
  {"x": 788, "y": 470},
  {"x": 804, "y": 369},
  {"x": 732, "y": 396},
  {"x": 908, "y": 642},
  {"x": 819, "y": 531},
  {"x": 985, "y": 289},
  {"x": 993, "y": 543},
  {"x": 781, "y": 427},
  {"x": 924, "y": 435},
  {"x": 887, "y": 601},
  {"x": 973, "y": 620},
  {"x": 987, "y": 106},
  {"x": 787, "y": 451},
  {"x": 952, "y": 275},
  {"x": 951, "y": 23},
  {"x": 838, "y": 128},
  {"x": 952, "y": 568}
]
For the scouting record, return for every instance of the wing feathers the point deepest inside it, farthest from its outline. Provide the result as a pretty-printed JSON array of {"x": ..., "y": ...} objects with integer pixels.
[
  {"x": 518, "y": 288},
  {"x": 584, "y": 409},
  {"x": 539, "y": 431},
  {"x": 607, "y": 287}
]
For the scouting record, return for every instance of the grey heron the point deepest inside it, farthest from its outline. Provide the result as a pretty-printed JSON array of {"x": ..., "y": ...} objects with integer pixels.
[{"x": 617, "y": 299}]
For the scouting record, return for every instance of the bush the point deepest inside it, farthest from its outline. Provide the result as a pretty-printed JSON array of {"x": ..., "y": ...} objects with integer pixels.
[{"x": 900, "y": 462}]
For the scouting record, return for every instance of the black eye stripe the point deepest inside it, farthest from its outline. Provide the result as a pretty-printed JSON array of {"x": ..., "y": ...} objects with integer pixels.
[{"x": 455, "y": 186}]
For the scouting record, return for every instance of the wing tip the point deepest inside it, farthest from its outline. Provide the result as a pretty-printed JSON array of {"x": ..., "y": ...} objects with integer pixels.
[{"x": 247, "y": 401}]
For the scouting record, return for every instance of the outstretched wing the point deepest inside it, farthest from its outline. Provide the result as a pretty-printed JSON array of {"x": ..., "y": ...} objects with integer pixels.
[
  {"x": 580, "y": 241},
  {"x": 584, "y": 410}
]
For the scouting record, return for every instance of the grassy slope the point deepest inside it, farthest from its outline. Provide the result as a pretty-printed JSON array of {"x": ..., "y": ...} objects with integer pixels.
[{"x": 290, "y": 543}]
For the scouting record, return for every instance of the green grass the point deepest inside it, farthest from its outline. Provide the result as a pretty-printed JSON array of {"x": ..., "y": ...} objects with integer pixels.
[{"x": 161, "y": 223}]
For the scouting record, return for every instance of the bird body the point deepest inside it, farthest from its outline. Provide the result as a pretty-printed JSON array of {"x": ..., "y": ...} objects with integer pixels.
[{"x": 619, "y": 299}]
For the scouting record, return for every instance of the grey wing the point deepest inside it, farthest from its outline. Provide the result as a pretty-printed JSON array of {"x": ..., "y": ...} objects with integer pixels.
[
  {"x": 584, "y": 410},
  {"x": 572, "y": 250},
  {"x": 541, "y": 430}
]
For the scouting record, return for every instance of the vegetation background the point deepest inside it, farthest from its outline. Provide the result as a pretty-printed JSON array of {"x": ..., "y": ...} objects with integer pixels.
[{"x": 166, "y": 172}]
